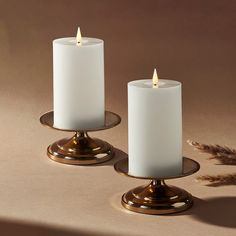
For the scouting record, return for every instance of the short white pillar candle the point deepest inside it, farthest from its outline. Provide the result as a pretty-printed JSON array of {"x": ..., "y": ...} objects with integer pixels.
[
  {"x": 154, "y": 127},
  {"x": 78, "y": 82}
]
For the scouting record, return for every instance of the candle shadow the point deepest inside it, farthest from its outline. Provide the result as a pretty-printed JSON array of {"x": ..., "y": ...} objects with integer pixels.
[
  {"x": 220, "y": 211},
  {"x": 119, "y": 154}
]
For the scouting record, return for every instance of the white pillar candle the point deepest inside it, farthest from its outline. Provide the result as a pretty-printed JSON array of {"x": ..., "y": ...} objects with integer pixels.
[
  {"x": 78, "y": 82},
  {"x": 155, "y": 127}
]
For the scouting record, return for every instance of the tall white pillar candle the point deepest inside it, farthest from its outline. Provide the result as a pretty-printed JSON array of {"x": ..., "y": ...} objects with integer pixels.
[
  {"x": 155, "y": 128},
  {"x": 78, "y": 83}
]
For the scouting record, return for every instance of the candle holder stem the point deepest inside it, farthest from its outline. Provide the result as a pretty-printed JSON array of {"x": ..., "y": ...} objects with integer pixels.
[
  {"x": 83, "y": 140},
  {"x": 157, "y": 182}
]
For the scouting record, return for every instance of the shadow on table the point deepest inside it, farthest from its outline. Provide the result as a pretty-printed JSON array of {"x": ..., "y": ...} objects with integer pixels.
[
  {"x": 16, "y": 228},
  {"x": 119, "y": 154},
  {"x": 219, "y": 211}
]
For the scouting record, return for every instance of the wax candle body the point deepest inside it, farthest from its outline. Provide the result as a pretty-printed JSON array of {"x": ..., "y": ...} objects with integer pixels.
[
  {"x": 78, "y": 83},
  {"x": 155, "y": 128}
]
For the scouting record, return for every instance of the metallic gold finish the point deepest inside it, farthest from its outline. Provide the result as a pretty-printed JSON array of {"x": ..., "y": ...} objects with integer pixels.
[
  {"x": 81, "y": 149},
  {"x": 111, "y": 120},
  {"x": 189, "y": 167},
  {"x": 157, "y": 198}
]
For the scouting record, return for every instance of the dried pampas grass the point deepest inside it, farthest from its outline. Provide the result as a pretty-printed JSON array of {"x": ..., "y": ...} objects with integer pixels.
[
  {"x": 219, "y": 180},
  {"x": 224, "y": 154}
]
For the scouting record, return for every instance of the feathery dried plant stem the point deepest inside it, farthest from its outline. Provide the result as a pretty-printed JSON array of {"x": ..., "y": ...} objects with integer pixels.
[
  {"x": 223, "y": 153},
  {"x": 219, "y": 179},
  {"x": 213, "y": 149}
]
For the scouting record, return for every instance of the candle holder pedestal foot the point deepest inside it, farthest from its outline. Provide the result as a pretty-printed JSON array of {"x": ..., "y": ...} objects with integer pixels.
[
  {"x": 81, "y": 149},
  {"x": 157, "y": 198}
]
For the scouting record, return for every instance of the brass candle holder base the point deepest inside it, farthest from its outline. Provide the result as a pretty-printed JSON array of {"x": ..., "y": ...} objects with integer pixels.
[
  {"x": 157, "y": 198},
  {"x": 81, "y": 149}
]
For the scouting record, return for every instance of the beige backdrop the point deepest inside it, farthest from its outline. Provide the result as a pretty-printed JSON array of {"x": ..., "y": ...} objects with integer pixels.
[{"x": 189, "y": 41}]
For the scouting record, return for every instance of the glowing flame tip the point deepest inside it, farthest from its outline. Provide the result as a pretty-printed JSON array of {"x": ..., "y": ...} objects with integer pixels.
[
  {"x": 78, "y": 37},
  {"x": 155, "y": 78}
]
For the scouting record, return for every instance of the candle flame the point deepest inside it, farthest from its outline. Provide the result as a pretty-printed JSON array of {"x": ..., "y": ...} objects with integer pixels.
[
  {"x": 155, "y": 79},
  {"x": 78, "y": 37}
]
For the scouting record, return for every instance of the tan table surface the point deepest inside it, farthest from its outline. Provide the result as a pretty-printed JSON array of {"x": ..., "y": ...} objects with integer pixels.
[{"x": 189, "y": 41}]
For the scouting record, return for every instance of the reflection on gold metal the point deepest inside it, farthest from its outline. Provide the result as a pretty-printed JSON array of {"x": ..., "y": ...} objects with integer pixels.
[
  {"x": 157, "y": 198},
  {"x": 111, "y": 120},
  {"x": 155, "y": 79},
  {"x": 81, "y": 149},
  {"x": 78, "y": 37}
]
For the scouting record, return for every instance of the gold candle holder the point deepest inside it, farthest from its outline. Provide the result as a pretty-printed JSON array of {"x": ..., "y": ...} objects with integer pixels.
[
  {"x": 158, "y": 198},
  {"x": 81, "y": 149}
]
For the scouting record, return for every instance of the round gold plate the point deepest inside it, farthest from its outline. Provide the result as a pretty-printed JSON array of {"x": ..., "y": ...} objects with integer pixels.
[
  {"x": 81, "y": 149},
  {"x": 111, "y": 120},
  {"x": 157, "y": 198},
  {"x": 189, "y": 167}
]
